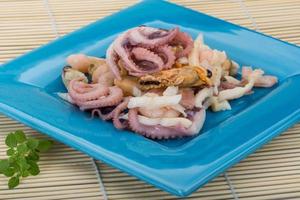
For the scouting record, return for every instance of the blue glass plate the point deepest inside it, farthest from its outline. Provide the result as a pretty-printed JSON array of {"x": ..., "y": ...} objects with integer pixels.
[{"x": 28, "y": 87}]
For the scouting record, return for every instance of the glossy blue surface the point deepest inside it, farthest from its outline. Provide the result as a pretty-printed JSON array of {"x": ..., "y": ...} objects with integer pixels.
[{"x": 28, "y": 85}]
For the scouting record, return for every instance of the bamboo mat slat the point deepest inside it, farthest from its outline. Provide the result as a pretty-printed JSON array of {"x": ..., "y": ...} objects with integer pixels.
[
  {"x": 273, "y": 172},
  {"x": 16, "y": 25},
  {"x": 276, "y": 17}
]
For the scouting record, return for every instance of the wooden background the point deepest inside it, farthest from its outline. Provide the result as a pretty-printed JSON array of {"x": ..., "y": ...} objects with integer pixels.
[{"x": 271, "y": 173}]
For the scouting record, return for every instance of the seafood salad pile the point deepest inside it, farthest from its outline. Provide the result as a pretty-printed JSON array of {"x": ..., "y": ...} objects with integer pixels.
[{"x": 158, "y": 83}]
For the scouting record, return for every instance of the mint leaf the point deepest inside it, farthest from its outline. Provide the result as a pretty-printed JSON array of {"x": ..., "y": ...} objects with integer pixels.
[
  {"x": 45, "y": 145},
  {"x": 22, "y": 148},
  {"x": 9, "y": 172},
  {"x": 13, "y": 182},
  {"x": 20, "y": 136},
  {"x": 34, "y": 168},
  {"x": 32, "y": 143},
  {"x": 11, "y": 140},
  {"x": 25, "y": 173},
  {"x": 12, "y": 159},
  {"x": 4, "y": 165},
  {"x": 10, "y": 152},
  {"x": 33, "y": 156},
  {"x": 22, "y": 162}
]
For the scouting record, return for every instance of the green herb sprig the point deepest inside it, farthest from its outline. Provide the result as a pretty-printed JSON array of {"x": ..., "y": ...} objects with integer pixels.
[{"x": 23, "y": 156}]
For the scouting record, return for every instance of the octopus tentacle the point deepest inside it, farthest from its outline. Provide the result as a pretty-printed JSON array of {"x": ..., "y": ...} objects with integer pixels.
[
  {"x": 151, "y": 37},
  {"x": 121, "y": 49},
  {"x": 141, "y": 54},
  {"x": 145, "y": 50},
  {"x": 82, "y": 87},
  {"x": 144, "y": 62},
  {"x": 80, "y": 94},
  {"x": 107, "y": 116},
  {"x": 168, "y": 56},
  {"x": 185, "y": 41},
  {"x": 114, "y": 97},
  {"x": 116, "y": 114},
  {"x": 111, "y": 57}
]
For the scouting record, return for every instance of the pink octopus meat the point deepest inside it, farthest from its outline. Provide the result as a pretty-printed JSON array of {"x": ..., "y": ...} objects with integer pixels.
[
  {"x": 113, "y": 113},
  {"x": 91, "y": 96},
  {"x": 117, "y": 112},
  {"x": 105, "y": 113},
  {"x": 145, "y": 50},
  {"x": 151, "y": 37}
]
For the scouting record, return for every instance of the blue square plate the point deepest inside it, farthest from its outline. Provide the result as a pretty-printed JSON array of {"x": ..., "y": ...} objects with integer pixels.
[{"x": 28, "y": 87}]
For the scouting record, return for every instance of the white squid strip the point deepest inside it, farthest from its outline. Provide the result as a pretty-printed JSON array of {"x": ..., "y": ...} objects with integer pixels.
[
  {"x": 202, "y": 95},
  {"x": 170, "y": 91},
  {"x": 234, "y": 68},
  {"x": 66, "y": 97},
  {"x": 232, "y": 80},
  {"x": 219, "y": 57},
  {"x": 216, "y": 105},
  {"x": 199, "y": 120},
  {"x": 266, "y": 81},
  {"x": 154, "y": 101},
  {"x": 238, "y": 92},
  {"x": 179, "y": 108},
  {"x": 166, "y": 122},
  {"x": 216, "y": 77},
  {"x": 195, "y": 53},
  {"x": 136, "y": 92},
  {"x": 263, "y": 81},
  {"x": 124, "y": 116},
  {"x": 206, "y": 65}
]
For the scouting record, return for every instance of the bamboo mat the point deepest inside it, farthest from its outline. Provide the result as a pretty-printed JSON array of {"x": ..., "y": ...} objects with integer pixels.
[{"x": 273, "y": 172}]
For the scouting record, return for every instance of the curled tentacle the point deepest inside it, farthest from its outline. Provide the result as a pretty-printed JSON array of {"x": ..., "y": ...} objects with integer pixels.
[
  {"x": 80, "y": 91},
  {"x": 146, "y": 60},
  {"x": 121, "y": 47},
  {"x": 114, "y": 97},
  {"x": 103, "y": 113},
  {"x": 111, "y": 59},
  {"x": 167, "y": 55},
  {"x": 137, "y": 48},
  {"x": 151, "y": 37},
  {"x": 116, "y": 116}
]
